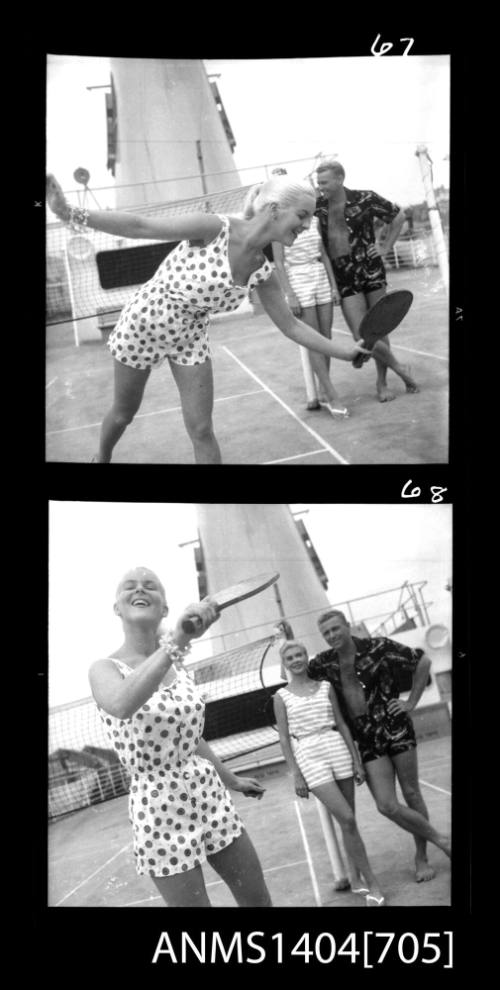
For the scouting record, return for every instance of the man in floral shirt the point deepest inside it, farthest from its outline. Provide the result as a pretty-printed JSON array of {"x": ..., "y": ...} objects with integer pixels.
[
  {"x": 346, "y": 218},
  {"x": 366, "y": 675}
]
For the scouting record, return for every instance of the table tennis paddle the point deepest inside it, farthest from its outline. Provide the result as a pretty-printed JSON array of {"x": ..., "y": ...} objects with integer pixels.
[
  {"x": 382, "y": 319},
  {"x": 231, "y": 596}
]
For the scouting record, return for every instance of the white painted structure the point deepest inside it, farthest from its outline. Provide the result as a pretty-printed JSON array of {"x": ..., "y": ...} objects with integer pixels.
[
  {"x": 170, "y": 134},
  {"x": 241, "y": 540},
  {"x": 172, "y": 151}
]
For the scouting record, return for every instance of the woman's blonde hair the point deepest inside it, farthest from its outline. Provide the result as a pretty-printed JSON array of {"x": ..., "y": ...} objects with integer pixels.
[
  {"x": 148, "y": 569},
  {"x": 280, "y": 190},
  {"x": 292, "y": 644}
]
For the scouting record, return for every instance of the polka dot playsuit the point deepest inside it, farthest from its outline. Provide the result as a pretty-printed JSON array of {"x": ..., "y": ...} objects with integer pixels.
[
  {"x": 168, "y": 317},
  {"x": 179, "y": 808}
]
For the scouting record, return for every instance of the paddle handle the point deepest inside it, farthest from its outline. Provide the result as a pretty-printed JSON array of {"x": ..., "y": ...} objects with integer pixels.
[
  {"x": 188, "y": 626},
  {"x": 360, "y": 359}
]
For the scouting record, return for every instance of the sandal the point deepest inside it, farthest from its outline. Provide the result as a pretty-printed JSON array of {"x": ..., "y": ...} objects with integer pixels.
[
  {"x": 338, "y": 412},
  {"x": 379, "y": 901}
]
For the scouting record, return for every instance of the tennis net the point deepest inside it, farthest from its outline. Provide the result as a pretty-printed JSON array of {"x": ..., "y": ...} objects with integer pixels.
[
  {"x": 91, "y": 275},
  {"x": 237, "y": 687}
]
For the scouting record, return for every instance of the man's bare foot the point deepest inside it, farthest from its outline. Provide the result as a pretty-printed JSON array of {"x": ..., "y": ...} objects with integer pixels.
[
  {"x": 384, "y": 395},
  {"x": 445, "y": 845},
  {"x": 423, "y": 871},
  {"x": 411, "y": 385}
]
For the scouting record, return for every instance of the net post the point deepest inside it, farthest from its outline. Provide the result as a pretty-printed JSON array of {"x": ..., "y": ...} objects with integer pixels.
[
  {"x": 69, "y": 277},
  {"x": 434, "y": 215},
  {"x": 310, "y": 383},
  {"x": 332, "y": 844}
]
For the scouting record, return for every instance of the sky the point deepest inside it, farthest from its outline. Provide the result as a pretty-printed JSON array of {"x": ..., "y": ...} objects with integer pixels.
[
  {"x": 363, "y": 548},
  {"x": 370, "y": 112}
]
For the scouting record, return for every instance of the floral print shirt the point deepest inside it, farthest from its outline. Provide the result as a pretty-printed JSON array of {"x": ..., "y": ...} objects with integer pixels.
[
  {"x": 361, "y": 208},
  {"x": 379, "y": 665}
]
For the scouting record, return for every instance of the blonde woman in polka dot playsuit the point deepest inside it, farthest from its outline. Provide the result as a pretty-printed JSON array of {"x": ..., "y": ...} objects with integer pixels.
[
  {"x": 180, "y": 809},
  {"x": 219, "y": 259},
  {"x": 320, "y": 752}
]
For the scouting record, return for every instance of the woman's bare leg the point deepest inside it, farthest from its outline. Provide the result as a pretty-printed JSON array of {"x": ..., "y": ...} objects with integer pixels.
[
  {"x": 239, "y": 866},
  {"x": 319, "y": 362},
  {"x": 333, "y": 799},
  {"x": 346, "y": 787},
  {"x": 129, "y": 390},
  {"x": 196, "y": 390},
  {"x": 183, "y": 889}
]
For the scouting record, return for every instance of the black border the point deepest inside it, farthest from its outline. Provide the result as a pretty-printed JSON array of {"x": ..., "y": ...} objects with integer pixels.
[{"x": 106, "y": 942}]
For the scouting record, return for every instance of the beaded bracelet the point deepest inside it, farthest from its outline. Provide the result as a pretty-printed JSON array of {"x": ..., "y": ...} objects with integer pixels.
[
  {"x": 176, "y": 652},
  {"x": 78, "y": 218}
]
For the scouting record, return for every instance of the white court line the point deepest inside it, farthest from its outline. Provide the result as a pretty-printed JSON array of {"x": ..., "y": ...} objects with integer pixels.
[
  {"x": 248, "y": 336},
  {"x": 51, "y": 382},
  {"x": 99, "y": 868},
  {"x": 297, "y": 457},
  {"x": 73, "y": 429},
  {"x": 157, "y": 412},
  {"x": 413, "y": 350},
  {"x": 326, "y": 446},
  {"x": 432, "y": 764},
  {"x": 144, "y": 900},
  {"x": 308, "y": 856},
  {"x": 217, "y": 883},
  {"x": 401, "y": 347},
  {"x": 345, "y": 333},
  {"x": 434, "y": 788}
]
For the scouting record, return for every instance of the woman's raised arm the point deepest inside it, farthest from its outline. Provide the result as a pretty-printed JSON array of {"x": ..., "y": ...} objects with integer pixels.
[{"x": 188, "y": 226}]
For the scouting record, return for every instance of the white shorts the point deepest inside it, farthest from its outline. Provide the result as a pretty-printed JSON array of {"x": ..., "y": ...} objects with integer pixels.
[
  {"x": 310, "y": 283},
  {"x": 323, "y": 757},
  {"x": 147, "y": 345}
]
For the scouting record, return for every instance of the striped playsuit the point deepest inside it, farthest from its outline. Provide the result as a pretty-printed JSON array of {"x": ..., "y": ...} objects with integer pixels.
[
  {"x": 305, "y": 269},
  {"x": 319, "y": 748}
]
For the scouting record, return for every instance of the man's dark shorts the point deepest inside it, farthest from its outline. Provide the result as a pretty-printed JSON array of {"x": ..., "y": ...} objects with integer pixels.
[
  {"x": 353, "y": 277},
  {"x": 387, "y": 737}
]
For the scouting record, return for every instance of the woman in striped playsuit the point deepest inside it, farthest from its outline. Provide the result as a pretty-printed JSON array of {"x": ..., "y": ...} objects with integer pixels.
[
  {"x": 320, "y": 752},
  {"x": 306, "y": 277}
]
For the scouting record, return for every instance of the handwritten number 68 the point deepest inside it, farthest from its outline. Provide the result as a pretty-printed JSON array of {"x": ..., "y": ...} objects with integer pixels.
[{"x": 436, "y": 492}]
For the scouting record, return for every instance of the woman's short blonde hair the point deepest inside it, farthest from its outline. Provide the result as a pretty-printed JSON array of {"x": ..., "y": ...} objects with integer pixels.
[
  {"x": 292, "y": 644},
  {"x": 148, "y": 569},
  {"x": 280, "y": 190}
]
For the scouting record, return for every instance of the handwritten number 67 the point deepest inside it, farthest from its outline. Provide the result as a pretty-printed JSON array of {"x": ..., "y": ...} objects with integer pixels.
[{"x": 387, "y": 45}]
